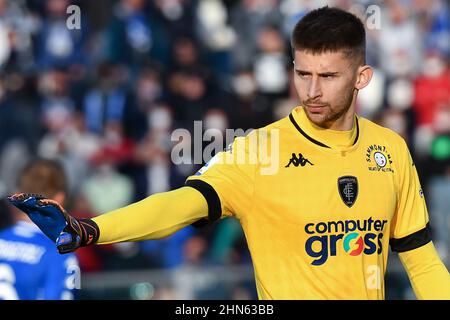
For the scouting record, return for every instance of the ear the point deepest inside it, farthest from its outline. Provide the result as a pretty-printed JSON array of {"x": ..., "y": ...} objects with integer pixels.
[{"x": 363, "y": 78}]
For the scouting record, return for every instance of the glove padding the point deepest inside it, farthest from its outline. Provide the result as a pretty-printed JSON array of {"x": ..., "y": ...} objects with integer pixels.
[{"x": 67, "y": 232}]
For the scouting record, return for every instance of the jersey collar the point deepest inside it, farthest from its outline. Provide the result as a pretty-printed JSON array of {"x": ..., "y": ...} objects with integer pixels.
[{"x": 325, "y": 138}]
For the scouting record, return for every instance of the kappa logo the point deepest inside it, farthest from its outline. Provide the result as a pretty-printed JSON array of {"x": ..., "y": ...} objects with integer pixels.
[
  {"x": 298, "y": 161},
  {"x": 378, "y": 158}
]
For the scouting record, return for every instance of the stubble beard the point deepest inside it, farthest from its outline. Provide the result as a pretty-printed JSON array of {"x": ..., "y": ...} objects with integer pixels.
[{"x": 327, "y": 117}]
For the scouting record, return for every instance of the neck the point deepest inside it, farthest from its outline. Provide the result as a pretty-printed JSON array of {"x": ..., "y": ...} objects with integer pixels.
[
  {"x": 339, "y": 138},
  {"x": 344, "y": 123}
]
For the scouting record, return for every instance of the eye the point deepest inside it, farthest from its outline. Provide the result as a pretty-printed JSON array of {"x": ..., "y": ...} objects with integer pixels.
[
  {"x": 328, "y": 76},
  {"x": 302, "y": 74}
]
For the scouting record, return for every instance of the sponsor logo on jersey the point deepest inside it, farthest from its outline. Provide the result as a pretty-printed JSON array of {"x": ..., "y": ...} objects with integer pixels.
[
  {"x": 351, "y": 237},
  {"x": 378, "y": 158},
  {"x": 348, "y": 189}
]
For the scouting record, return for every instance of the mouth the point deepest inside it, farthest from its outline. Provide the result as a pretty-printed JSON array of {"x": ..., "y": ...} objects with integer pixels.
[{"x": 315, "y": 107}]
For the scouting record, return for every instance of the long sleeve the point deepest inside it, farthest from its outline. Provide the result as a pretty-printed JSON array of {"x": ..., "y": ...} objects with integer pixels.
[
  {"x": 154, "y": 217},
  {"x": 428, "y": 275}
]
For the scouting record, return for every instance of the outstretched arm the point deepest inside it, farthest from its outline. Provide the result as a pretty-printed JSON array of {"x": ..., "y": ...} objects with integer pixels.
[
  {"x": 155, "y": 217},
  {"x": 428, "y": 275},
  {"x": 152, "y": 218}
]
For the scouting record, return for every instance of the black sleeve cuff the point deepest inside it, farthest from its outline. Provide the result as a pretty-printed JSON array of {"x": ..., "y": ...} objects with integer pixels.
[
  {"x": 213, "y": 200},
  {"x": 413, "y": 241},
  {"x": 90, "y": 232}
]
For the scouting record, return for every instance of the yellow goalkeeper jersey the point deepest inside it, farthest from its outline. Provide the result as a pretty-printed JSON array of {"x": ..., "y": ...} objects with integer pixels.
[{"x": 319, "y": 208}]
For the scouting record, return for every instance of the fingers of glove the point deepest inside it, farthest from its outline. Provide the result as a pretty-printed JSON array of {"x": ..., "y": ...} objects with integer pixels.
[
  {"x": 47, "y": 214},
  {"x": 30, "y": 203},
  {"x": 24, "y": 201},
  {"x": 52, "y": 203},
  {"x": 24, "y": 196}
]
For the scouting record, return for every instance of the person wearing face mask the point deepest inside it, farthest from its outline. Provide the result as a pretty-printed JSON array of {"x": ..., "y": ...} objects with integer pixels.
[{"x": 431, "y": 88}]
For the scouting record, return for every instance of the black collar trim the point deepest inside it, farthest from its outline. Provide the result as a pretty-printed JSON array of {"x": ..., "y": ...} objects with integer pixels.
[
  {"x": 291, "y": 117},
  {"x": 357, "y": 131}
]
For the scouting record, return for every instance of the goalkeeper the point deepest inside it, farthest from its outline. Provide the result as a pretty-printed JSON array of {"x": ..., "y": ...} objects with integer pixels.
[{"x": 320, "y": 225}]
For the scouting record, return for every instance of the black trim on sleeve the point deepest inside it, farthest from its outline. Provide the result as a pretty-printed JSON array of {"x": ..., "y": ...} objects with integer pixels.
[
  {"x": 413, "y": 241},
  {"x": 213, "y": 200},
  {"x": 203, "y": 222}
]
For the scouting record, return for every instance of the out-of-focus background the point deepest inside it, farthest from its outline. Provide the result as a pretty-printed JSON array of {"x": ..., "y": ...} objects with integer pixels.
[{"x": 105, "y": 98}]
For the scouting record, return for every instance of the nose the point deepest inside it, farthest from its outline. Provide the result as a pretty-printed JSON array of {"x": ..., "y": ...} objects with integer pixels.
[{"x": 314, "y": 90}]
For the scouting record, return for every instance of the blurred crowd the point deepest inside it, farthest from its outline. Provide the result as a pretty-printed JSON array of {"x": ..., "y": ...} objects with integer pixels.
[{"x": 104, "y": 99}]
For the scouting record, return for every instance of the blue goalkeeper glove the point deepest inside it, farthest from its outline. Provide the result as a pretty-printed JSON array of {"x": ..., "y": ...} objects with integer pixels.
[{"x": 67, "y": 232}]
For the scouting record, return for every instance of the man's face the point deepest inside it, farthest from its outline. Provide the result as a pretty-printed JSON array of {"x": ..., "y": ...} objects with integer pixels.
[{"x": 325, "y": 84}]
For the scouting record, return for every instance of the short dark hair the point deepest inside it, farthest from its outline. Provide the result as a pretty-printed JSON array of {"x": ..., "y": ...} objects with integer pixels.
[
  {"x": 42, "y": 176},
  {"x": 330, "y": 30}
]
